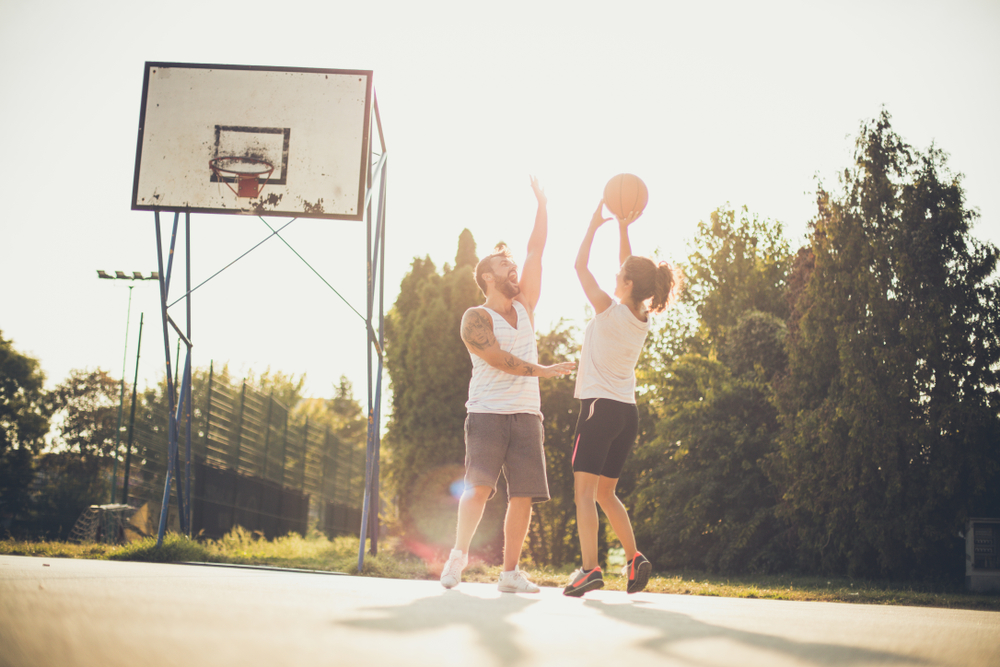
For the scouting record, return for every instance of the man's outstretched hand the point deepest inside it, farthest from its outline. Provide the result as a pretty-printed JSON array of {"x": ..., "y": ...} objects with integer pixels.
[
  {"x": 557, "y": 370},
  {"x": 539, "y": 192}
]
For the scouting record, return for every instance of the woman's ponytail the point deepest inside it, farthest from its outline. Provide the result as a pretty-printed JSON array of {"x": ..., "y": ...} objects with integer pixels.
[{"x": 660, "y": 283}]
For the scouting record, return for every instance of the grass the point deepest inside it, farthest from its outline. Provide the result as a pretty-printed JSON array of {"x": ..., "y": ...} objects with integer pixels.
[
  {"x": 239, "y": 547},
  {"x": 316, "y": 552}
]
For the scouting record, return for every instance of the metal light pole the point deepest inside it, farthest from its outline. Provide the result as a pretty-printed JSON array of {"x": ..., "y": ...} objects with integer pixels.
[{"x": 120, "y": 275}]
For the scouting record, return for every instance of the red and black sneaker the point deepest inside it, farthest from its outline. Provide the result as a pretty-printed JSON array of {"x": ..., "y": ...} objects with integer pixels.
[
  {"x": 637, "y": 570},
  {"x": 580, "y": 582}
]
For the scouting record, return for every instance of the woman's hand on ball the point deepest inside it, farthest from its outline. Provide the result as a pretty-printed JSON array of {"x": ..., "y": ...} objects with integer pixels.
[
  {"x": 629, "y": 219},
  {"x": 598, "y": 219}
]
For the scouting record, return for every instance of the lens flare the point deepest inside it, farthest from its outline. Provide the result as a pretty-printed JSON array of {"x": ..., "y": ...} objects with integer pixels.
[{"x": 457, "y": 488}]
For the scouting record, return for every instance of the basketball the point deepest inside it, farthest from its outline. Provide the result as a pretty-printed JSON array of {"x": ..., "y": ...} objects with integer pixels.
[{"x": 625, "y": 193}]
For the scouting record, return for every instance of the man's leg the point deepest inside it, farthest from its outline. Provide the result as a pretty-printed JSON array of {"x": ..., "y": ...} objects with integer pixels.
[
  {"x": 524, "y": 469},
  {"x": 515, "y": 529},
  {"x": 470, "y": 513}
]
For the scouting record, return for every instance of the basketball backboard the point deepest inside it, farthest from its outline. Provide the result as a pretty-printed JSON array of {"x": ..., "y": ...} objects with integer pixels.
[{"x": 310, "y": 126}]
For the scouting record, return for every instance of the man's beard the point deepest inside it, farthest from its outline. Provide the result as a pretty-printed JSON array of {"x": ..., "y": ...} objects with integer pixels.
[{"x": 507, "y": 288}]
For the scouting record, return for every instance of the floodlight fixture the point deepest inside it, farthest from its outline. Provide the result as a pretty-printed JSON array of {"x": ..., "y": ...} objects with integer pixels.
[{"x": 122, "y": 275}]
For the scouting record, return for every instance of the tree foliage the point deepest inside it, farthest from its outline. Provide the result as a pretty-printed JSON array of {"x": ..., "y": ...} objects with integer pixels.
[
  {"x": 282, "y": 387},
  {"x": 703, "y": 497},
  {"x": 736, "y": 265},
  {"x": 85, "y": 413},
  {"x": 24, "y": 421},
  {"x": 890, "y": 407},
  {"x": 552, "y": 537},
  {"x": 700, "y": 493},
  {"x": 76, "y": 473},
  {"x": 67, "y": 484},
  {"x": 429, "y": 370}
]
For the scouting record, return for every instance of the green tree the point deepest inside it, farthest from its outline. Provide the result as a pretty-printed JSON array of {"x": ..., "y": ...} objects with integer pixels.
[
  {"x": 703, "y": 497},
  {"x": 283, "y": 387},
  {"x": 76, "y": 473},
  {"x": 24, "y": 421},
  {"x": 552, "y": 537},
  {"x": 735, "y": 265},
  {"x": 85, "y": 413},
  {"x": 429, "y": 369},
  {"x": 67, "y": 484},
  {"x": 700, "y": 491},
  {"x": 890, "y": 407}
]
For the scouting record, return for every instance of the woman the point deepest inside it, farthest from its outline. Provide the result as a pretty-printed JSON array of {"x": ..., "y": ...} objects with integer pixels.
[{"x": 605, "y": 384}]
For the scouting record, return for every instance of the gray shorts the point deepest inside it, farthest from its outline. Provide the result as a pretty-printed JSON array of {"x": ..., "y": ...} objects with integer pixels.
[{"x": 511, "y": 443}]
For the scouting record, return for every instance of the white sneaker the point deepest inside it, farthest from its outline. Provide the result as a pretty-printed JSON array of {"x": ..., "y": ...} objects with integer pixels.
[
  {"x": 452, "y": 572},
  {"x": 516, "y": 582}
]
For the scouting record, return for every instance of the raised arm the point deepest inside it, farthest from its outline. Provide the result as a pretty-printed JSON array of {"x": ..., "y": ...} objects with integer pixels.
[
  {"x": 598, "y": 298},
  {"x": 477, "y": 333},
  {"x": 531, "y": 274},
  {"x": 624, "y": 247}
]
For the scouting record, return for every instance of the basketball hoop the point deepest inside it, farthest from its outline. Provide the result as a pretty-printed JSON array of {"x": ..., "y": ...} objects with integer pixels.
[{"x": 250, "y": 173}]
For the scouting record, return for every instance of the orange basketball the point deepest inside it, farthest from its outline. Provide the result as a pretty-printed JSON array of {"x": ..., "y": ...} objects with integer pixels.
[{"x": 625, "y": 193}]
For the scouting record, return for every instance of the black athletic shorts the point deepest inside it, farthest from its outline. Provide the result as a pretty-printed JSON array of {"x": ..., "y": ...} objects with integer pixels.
[{"x": 605, "y": 433}]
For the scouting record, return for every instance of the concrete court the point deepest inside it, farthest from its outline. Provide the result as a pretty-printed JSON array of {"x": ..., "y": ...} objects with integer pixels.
[{"x": 57, "y": 612}]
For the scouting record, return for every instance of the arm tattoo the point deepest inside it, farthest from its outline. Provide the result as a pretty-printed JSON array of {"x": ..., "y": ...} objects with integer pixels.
[
  {"x": 515, "y": 364},
  {"x": 477, "y": 331}
]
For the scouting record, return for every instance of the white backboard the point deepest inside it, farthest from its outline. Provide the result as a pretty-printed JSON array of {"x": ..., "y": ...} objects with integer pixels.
[{"x": 311, "y": 125}]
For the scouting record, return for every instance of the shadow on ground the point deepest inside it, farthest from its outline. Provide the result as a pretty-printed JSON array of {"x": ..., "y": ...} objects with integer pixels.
[
  {"x": 673, "y": 628},
  {"x": 488, "y": 618}
]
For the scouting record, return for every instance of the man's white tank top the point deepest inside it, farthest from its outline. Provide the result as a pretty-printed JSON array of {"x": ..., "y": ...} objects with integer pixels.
[{"x": 493, "y": 391}]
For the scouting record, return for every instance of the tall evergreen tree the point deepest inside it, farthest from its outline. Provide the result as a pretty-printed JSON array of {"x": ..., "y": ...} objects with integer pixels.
[
  {"x": 429, "y": 370},
  {"x": 890, "y": 408}
]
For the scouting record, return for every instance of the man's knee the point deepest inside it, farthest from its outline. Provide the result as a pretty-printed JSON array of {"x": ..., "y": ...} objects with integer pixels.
[
  {"x": 478, "y": 494},
  {"x": 519, "y": 505}
]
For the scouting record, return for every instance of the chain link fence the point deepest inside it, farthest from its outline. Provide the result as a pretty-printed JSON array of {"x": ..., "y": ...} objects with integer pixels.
[{"x": 253, "y": 464}]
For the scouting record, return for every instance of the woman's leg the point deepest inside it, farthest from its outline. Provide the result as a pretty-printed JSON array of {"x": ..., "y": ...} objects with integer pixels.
[
  {"x": 617, "y": 515},
  {"x": 585, "y": 485}
]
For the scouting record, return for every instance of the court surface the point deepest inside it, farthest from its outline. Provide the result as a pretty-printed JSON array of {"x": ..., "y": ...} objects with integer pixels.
[{"x": 79, "y": 612}]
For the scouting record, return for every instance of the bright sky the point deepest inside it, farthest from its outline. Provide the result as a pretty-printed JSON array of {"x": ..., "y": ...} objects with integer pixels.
[{"x": 740, "y": 102}]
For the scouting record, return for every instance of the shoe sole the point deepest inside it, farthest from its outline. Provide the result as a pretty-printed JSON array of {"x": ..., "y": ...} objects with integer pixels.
[
  {"x": 515, "y": 590},
  {"x": 591, "y": 585},
  {"x": 641, "y": 577}
]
